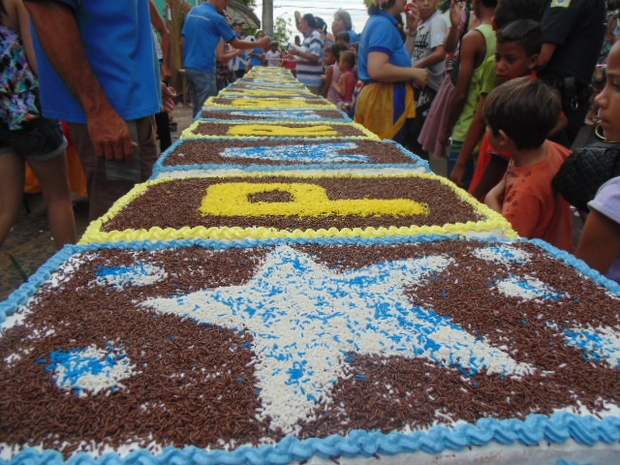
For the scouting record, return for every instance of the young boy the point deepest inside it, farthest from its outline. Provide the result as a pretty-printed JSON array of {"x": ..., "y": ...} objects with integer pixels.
[
  {"x": 518, "y": 46},
  {"x": 520, "y": 114}
]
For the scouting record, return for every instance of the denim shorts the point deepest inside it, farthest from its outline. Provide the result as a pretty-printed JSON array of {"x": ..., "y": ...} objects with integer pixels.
[{"x": 40, "y": 140}]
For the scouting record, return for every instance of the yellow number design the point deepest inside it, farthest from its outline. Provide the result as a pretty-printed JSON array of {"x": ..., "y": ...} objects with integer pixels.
[
  {"x": 233, "y": 199},
  {"x": 246, "y": 130},
  {"x": 277, "y": 103}
]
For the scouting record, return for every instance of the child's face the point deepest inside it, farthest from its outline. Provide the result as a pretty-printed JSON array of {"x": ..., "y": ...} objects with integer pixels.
[
  {"x": 426, "y": 8},
  {"x": 343, "y": 65},
  {"x": 609, "y": 99},
  {"x": 512, "y": 61},
  {"x": 329, "y": 59}
]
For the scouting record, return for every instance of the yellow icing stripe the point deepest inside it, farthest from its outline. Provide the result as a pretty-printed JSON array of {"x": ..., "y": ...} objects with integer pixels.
[
  {"x": 280, "y": 129},
  {"x": 233, "y": 199},
  {"x": 273, "y": 104},
  {"x": 264, "y": 91},
  {"x": 249, "y": 130},
  {"x": 494, "y": 224},
  {"x": 472, "y": 230}
]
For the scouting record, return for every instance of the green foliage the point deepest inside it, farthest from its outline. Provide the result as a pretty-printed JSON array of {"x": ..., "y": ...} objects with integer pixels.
[{"x": 280, "y": 31}]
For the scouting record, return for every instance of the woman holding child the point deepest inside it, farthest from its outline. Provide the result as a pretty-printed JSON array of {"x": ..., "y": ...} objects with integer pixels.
[{"x": 387, "y": 98}]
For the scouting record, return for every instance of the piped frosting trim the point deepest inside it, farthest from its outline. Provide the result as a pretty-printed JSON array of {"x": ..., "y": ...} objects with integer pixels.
[{"x": 493, "y": 223}]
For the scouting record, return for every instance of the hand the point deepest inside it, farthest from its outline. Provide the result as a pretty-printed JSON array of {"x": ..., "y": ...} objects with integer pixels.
[
  {"x": 166, "y": 73},
  {"x": 264, "y": 43},
  {"x": 413, "y": 16},
  {"x": 445, "y": 139},
  {"x": 457, "y": 174},
  {"x": 456, "y": 12},
  {"x": 420, "y": 76},
  {"x": 168, "y": 94},
  {"x": 110, "y": 135}
]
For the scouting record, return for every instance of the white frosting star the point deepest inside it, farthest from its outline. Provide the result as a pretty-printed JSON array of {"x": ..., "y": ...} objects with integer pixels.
[{"x": 307, "y": 320}]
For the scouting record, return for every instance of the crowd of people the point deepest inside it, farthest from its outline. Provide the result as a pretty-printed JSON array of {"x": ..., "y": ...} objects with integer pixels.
[{"x": 500, "y": 88}]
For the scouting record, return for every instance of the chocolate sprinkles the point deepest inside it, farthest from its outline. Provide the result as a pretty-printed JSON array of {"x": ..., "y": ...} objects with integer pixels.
[{"x": 195, "y": 383}]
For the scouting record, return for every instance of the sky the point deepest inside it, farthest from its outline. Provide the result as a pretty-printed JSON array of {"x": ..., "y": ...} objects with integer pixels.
[{"x": 323, "y": 8}]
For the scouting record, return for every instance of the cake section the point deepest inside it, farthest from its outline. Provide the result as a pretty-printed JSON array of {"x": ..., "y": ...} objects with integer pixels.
[
  {"x": 281, "y": 154},
  {"x": 264, "y": 103},
  {"x": 275, "y": 115},
  {"x": 426, "y": 344},
  {"x": 202, "y": 128},
  {"x": 293, "y": 205}
]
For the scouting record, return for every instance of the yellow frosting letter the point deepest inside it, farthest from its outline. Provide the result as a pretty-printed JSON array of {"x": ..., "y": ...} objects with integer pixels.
[
  {"x": 248, "y": 130},
  {"x": 233, "y": 199}
]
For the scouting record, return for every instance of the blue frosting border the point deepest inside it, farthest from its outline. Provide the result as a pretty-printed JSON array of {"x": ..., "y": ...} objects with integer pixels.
[
  {"x": 534, "y": 430},
  {"x": 160, "y": 167}
]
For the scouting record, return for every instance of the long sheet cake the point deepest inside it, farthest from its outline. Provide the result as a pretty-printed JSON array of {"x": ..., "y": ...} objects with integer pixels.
[
  {"x": 284, "y": 154},
  {"x": 261, "y": 93},
  {"x": 245, "y": 129},
  {"x": 386, "y": 351},
  {"x": 268, "y": 103},
  {"x": 295, "y": 205},
  {"x": 277, "y": 115}
]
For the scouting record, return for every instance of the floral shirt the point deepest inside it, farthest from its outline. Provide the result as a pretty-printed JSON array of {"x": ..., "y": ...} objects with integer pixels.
[{"x": 19, "y": 88}]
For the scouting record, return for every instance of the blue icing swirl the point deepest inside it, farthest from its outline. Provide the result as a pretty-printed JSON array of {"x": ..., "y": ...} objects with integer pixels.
[{"x": 308, "y": 153}]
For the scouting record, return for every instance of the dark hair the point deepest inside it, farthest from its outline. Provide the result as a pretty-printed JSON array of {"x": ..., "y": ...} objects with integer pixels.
[
  {"x": 336, "y": 49},
  {"x": 377, "y": 8},
  {"x": 525, "y": 32},
  {"x": 525, "y": 108},
  {"x": 2, "y": 8},
  {"x": 345, "y": 17},
  {"x": 508, "y": 11},
  {"x": 349, "y": 57},
  {"x": 310, "y": 19},
  {"x": 344, "y": 36},
  {"x": 489, "y": 3},
  {"x": 320, "y": 24}
]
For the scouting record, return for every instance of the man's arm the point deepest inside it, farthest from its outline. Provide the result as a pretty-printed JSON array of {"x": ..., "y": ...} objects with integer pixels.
[
  {"x": 308, "y": 56},
  {"x": 546, "y": 53},
  {"x": 472, "y": 42},
  {"x": 57, "y": 28},
  {"x": 222, "y": 55},
  {"x": 160, "y": 26},
  {"x": 247, "y": 45},
  {"x": 437, "y": 56},
  {"x": 473, "y": 137}
]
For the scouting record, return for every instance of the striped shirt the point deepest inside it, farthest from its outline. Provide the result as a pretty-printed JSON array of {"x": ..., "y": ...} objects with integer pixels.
[{"x": 309, "y": 73}]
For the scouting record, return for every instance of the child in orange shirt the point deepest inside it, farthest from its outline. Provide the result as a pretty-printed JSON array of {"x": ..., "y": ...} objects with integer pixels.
[
  {"x": 518, "y": 46},
  {"x": 520, "y": 114}
]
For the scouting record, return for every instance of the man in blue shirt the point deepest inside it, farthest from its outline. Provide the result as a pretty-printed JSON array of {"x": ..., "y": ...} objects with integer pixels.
[
  {"x": 98, "y": 71},
  {"x": 204, "y": 26}
]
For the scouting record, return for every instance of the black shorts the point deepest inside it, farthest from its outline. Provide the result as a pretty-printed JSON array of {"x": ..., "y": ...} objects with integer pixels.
[{"x": 41, "y": 139}]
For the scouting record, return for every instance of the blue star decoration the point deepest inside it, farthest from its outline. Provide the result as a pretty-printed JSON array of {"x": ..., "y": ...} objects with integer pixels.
[
  {"x": 308, "y": 153},
  {"x": 306, "y": 319}
]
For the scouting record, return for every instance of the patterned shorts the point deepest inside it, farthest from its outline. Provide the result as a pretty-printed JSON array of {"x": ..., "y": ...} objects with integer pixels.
[{"x": 41, "y": 139}]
